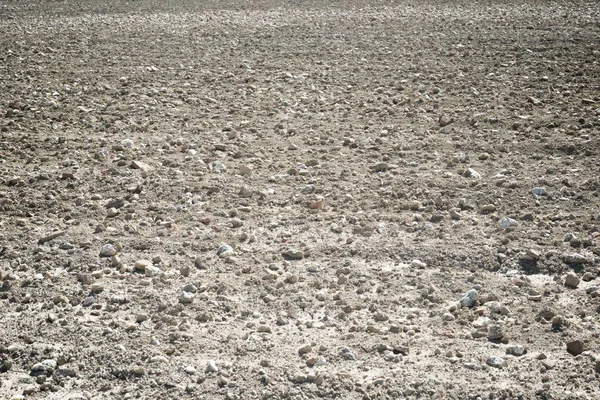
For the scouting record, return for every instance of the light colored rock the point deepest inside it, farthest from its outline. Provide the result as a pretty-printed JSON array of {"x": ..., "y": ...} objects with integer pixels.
[
  {"x": 141, "y": 265},
  {"x": 538, "y": 191},
  {"x": 469, "y": 299},
  {"x": 211, "y": 366},
  {"x": 496, "y": 362},
  {"x": 515, "y": 350},
  {"x": 186, "y": 297},
  {"x": 418, "y": 264},
  {"x": 108, "y": 250}
]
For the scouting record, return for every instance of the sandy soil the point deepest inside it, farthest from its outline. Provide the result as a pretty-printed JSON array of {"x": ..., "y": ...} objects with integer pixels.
[{"x": 299, "y": 200}]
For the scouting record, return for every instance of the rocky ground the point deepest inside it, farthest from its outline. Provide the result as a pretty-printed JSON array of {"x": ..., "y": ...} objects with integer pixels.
[{"x": 299, "y": 200}]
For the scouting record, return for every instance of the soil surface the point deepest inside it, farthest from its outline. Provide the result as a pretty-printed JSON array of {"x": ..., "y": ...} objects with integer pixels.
[{"x": 299, "y": 199}]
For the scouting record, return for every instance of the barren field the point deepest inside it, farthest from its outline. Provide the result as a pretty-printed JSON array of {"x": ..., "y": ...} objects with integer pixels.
[{"x": 299, "y": 200}]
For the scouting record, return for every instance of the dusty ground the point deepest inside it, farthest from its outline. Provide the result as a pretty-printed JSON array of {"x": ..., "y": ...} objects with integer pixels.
[{"x": 299, "y": 193}]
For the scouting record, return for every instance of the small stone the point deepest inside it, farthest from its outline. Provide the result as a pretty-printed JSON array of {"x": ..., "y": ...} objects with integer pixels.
[
  {"x": 515, "y": 350},
  {"x": 236, "y": 223},
  {"x": 380, "y": 167},
  {"x": 185, "y": 270},
  {"x": 88, "y": 301},
  {"x": 487, "y": 208},
  {"x": 264, "y": 329},
  {"x": 569, "y": 237},
  {"x": 141, "y": 317},
  {"x": 347, "y": 354},
  {"x": 97, "y": 287},
  {"x": 245, "y": 170},
  {"x": 141, "y": 265},
  {"x": 304, "y": 350},
  {"x": 158, "y": 359},
  {"x": 531, "y": 255},
  {"x": 575, "y": 347},
  {"x": 495, "y": 332},
  {"x": 140, "y": 165},
  {"x": 186, "y": 297},
  {"x": 575, "y": 258},
  {"x": 572, "y": 280},
  {"x": 496, "y": 362},
  {"x": 211, "y": 366},
  {"x": 471, "y": 173},
  {"x": 138, "y": 370},
  {"x": 45, "y": 367},
  {"x": 508, "y": 223},
  {"x": 112, "y": 212},
  {"x": 469, "y": 299},
  {"x": 218, "y": 167},
  {"x": 190, "y": 370},
  {"x": 190, "y": 287},
  {"x": 152, "y": 271},
  {"x": 448, "y": 317},
  {"x": 225, "y": 251},
  {"x": 588, "y": 276},
  {"x": 418, "y": 264},
  {"x": 445, "y": 120},
  {"x": 538, "y": 191},
  {"x": 293, "y": 254},
  {"x": 108, "y": 250},
  {"x": 317, "y": 205}
]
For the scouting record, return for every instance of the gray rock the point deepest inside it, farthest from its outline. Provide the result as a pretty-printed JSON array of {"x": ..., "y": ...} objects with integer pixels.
[
  {"x": 418, "y": 264},
  {"x": 190, "y": 287},
  {"x": 186, "y": 297},
  {"x": 347, "y": 354},
  {"x": 496, "y": 362},
  {"x": 538, "y": 191},
  {"x": 515, "y": 350},
  {"x": 152, "y": 271},
  {"x": 471, "y": 173},
  {"x": 293, "y": 253},
  {"x": 225, "y": 251},
  {"x": 495, "y": 332},
  {"x": 575, "y": 258},
  {"x": 507, "y": 223},
  {"x": 469, "y": 299},
  {"x": 88, "y": 301},
  {"x": 45, "y": 367},
  {"x": 108, "y": 250},
  {"x": 572, "y": 280}
]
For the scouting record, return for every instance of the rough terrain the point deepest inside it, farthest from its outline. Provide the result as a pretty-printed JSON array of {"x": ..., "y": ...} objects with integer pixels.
[{"x": 299, "y": 200}]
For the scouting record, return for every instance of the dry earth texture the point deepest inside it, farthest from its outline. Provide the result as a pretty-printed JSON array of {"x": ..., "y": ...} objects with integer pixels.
[{"x": 299, "y": 200}]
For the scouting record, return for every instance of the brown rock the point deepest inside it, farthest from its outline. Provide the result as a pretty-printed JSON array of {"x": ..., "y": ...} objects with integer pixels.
[{"x": 575, "y": 347}]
